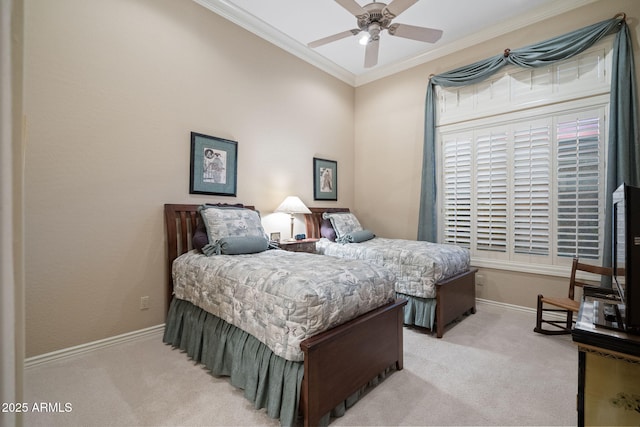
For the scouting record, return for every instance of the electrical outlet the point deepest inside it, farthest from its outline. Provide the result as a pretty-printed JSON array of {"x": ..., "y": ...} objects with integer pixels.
[
  {"x": 479, "y": 279},
  {"x": 144, "y": 303}
]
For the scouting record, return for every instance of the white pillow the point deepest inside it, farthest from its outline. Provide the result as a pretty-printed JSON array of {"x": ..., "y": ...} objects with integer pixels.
[
  {"x": 230, "y": 222},
  {"x": 343, "y": 223}
]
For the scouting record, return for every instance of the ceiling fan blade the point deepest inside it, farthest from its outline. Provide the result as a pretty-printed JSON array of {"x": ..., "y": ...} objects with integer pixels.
[
  {"x": 396, "y": 7},
  {"x": 421, "y": 34},
  {"x": 333, "y": 38},
  {"x": 354, "y": 8},
  {"x": 371, "y": 54}
]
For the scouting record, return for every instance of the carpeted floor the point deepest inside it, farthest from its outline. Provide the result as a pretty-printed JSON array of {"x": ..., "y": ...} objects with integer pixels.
[{"x": 489, "y": 369}]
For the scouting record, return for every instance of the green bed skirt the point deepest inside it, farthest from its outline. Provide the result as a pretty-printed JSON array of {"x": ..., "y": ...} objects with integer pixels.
[
  {"x": 419, "y": 311},
  {"x": 268, "y": 381}
]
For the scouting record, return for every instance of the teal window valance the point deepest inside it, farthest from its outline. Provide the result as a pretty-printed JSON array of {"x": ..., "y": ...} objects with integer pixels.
[{"x": 623, "y": 126}]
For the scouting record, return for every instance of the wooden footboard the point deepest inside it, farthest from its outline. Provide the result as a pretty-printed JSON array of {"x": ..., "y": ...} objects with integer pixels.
[
  {"x": 339, "y": 362},
  {"x": 455, "y": 297}
]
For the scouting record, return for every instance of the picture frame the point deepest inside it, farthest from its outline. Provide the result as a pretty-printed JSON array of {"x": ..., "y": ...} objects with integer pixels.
[
  {"x": 275, "y": 237},
  {"x": 325, "y": 179},
  {"x": 214, "y": 165}
]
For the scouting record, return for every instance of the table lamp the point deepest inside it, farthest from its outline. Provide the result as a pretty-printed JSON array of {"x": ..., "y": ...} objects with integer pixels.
[{"x": 292, "y": 205}]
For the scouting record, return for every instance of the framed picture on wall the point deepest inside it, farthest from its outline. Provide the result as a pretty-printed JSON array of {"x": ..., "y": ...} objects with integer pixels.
[
  {"x": 325, "y": 179},
  {"x": 214, "y": 165}
]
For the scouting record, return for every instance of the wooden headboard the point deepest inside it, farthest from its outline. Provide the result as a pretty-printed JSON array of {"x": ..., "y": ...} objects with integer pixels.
[
  {"x": 181, "y": 222},
  {"x": 314, "y": 219}
]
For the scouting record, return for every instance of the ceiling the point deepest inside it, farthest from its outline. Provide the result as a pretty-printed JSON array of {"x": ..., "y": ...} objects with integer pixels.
[{"x": 292, "y": 24}]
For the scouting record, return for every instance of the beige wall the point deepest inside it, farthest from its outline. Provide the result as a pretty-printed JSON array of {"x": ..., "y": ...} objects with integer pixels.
[
  {"x": 112, "y": 91},
  {"x": 389, "y": 137}
]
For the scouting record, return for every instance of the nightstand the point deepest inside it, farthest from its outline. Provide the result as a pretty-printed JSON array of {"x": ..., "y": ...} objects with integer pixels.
[{"x": 306, "y": 245}]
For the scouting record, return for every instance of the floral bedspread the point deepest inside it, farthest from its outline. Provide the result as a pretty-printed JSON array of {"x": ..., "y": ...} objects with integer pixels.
[
  {"x": 280, "y": 297},
  {"x": 418, "y": 265}
]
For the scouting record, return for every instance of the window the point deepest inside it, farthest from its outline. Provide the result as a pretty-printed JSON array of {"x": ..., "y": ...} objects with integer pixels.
[
  {"x": 522, "y": 164},
  {"x": 457, "y": 190},
  {"x": 532, "y": 188},
  {"x": 579, "y": 186},
  {"x": 491, "y": 189}
]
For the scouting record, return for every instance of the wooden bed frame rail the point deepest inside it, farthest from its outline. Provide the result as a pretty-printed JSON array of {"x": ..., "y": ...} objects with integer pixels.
[
  {"x": 338, "y": 362},
  {"x": 455, "y": 297}
]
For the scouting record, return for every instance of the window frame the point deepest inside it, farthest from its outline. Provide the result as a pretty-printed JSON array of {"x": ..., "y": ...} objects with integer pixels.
[
  {"x": 525, "y": 263},
  {"x": 555, "y": 99}
]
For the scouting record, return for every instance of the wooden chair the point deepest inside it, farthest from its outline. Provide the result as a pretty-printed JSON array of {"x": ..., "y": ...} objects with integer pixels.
[{"x": 567, "y": 305}]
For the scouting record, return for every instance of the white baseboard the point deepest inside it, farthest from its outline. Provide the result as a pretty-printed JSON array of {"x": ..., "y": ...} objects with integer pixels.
[
  {"x": 92, "y": 346},
  {"x": 159, "y": 329},
  {"x": 507, "y": 306},
  {"x": 528, "y": 310}
]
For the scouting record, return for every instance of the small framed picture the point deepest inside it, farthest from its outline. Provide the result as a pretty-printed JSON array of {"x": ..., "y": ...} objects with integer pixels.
[
  {"x": 274, "y": 237},
  {"x": 214, "y": 165},
  {"x": 325, "y": 179}
]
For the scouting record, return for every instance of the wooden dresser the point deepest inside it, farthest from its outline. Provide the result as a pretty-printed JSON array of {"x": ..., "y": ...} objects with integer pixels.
[{"x": 608, "y": 370}]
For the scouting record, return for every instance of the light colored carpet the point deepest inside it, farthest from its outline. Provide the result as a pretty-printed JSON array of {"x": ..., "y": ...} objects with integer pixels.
[{"x": 489, "y": 369}]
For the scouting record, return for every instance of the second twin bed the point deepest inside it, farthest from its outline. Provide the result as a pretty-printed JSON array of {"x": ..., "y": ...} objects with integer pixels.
[{"x": 436, "y": 279}]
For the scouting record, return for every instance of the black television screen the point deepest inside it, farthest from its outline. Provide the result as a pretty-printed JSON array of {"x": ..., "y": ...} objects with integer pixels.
[
  {"x": 626, "y": 253},
  {"x": 619, "y": 241}
]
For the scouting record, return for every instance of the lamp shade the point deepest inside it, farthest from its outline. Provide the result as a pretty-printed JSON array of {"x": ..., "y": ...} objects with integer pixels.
[{"x": 293, "y": 205}]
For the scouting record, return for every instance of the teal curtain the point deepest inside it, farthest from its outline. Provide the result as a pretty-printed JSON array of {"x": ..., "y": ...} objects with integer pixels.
[
  {"x": 623, "y": 151},
  {"x": 537, "y": 55}
]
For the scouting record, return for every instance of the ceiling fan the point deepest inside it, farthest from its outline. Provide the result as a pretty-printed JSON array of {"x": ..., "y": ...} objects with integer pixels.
[{"x": 375, "y": 17}]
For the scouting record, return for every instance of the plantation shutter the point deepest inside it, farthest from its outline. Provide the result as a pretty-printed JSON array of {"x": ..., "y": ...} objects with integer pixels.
[
  {"x": 457, "y": 190},
  {"x": 578, "y": 184},
  {"x": 531, "y": 187},
  {"x": 491, "y": 190}
]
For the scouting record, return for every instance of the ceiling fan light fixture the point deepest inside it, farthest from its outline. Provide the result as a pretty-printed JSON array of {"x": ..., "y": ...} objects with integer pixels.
[
  {"x": 371, "y": 33},
  {"x": 372, "y": 19}
]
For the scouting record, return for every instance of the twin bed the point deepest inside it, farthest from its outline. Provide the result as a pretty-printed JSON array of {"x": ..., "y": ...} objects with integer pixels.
[
  {"x": 436, "y": 279},
  {"x": 265, "y": 319},
  {"x": 299, "y": 333}
]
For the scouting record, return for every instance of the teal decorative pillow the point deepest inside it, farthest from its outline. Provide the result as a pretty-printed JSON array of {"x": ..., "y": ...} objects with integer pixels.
[
  {"x": 236, "y": 245},
  {"x": 356, "y": 237},
  {"x": 228, "y": 229},
  {"x": 343, "y": 223}
]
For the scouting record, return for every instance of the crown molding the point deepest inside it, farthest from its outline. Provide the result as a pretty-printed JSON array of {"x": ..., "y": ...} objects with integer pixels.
[
  {"x": 265, "y": 31},
  {"x": 541, "y": 14}
]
